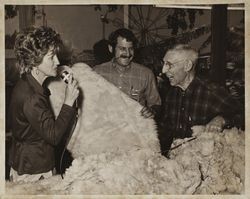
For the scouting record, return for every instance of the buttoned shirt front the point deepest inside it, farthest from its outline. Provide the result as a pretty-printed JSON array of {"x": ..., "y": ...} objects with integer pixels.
[{"x": 135, "y": 80}]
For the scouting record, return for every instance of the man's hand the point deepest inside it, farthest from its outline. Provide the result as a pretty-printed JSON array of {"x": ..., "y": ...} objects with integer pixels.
[
  {"x": 216, "y": 124},
  {"x": 146, "y": 112}
]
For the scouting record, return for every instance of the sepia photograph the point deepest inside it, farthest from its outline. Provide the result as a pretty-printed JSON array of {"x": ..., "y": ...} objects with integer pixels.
[{"x": 124, "y": 99}]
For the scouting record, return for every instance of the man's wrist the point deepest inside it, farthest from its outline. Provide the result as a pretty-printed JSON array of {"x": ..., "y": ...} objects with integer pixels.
[
  {"x": 221, "y": 120},
  {"x": 155, "y": 109}
]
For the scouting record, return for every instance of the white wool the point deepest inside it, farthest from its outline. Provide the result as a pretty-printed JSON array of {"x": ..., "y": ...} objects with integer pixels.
[
  {"x": 220, "y": 157},
  {"x": 116, "y": 150},
  {"x": 107, "y": 119}
]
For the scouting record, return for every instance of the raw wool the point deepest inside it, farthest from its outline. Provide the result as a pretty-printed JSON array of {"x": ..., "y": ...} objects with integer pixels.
[
  {"x": 38, "y": 187},
  {"x": 112, "y": 142},
  {"x": 119, "y": 173},
  {"x": 221, "y": 160},
  {"x": 109, "y": 120}
]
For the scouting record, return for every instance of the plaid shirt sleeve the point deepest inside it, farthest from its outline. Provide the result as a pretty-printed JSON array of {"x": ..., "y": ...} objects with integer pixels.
[{"x": 222, "y": 103}]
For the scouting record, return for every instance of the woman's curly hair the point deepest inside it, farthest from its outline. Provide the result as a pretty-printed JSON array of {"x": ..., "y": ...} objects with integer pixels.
[{"x": 32, "y": 44}]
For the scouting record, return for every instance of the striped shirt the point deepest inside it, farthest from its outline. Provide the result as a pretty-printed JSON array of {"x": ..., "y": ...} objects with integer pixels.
[
  {"x": 135, "y": 80},
  {"x": 197, "y": 105}
]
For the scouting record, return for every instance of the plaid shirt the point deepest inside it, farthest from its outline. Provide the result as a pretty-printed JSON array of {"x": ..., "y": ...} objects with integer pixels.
[
  {"x": 136, "y": 81},
  {"x": 197, "y": 105}
]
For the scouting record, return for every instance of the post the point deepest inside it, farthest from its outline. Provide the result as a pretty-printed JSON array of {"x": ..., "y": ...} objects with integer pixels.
[
  {"x": 126, "y": 15},
  {"x": 26, "y": 16},
  {"x": 218, "y": 46}
]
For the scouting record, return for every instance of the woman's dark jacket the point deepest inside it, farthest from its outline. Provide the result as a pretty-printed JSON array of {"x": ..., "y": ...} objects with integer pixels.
[{"x": 35, "y": 130}]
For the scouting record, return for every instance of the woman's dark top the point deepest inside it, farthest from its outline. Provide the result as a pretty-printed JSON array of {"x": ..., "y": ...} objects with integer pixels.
[{"x": 35, "y": 130}]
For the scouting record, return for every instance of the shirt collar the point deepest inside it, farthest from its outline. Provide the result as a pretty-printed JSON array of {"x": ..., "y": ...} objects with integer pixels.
[
  {"x": 41, "y": 89},
  {"x": 192, "y": 84}
]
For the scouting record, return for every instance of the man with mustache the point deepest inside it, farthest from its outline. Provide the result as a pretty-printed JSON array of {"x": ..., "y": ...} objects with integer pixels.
[
  {"x": 135, "y": 80},
  {"x": 192, "y": 101}
]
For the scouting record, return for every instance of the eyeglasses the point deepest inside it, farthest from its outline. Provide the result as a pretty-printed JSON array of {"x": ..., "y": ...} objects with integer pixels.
[{"x": 169, "y": 65}]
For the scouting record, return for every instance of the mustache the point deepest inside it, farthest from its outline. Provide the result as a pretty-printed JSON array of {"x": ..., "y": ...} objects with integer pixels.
[{"x": 125, "y": 56}]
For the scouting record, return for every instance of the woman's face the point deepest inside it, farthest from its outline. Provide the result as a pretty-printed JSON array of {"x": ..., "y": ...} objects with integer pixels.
[{"x": 49, "y": 64}]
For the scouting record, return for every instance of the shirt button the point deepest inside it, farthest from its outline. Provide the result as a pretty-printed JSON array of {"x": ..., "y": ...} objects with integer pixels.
[
  {"x": 119, "y": 87},
  {"x": 182, "y": 108}
]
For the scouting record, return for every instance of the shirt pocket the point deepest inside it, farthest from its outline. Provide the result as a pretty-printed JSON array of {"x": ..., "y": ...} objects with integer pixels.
[{"x": 135, "y": 93}]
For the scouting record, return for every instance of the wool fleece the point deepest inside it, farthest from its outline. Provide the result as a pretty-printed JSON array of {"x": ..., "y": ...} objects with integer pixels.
[{"x": 109, "y": 121}]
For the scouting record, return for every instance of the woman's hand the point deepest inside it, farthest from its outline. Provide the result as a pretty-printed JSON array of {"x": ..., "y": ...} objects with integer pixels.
[{"x": 71, "y": 92}]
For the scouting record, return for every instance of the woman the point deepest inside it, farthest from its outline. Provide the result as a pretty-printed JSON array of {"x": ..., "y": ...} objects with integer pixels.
[{"x": 35, "y": 131}]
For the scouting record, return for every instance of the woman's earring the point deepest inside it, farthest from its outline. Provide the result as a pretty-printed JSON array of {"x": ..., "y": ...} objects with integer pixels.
[{"x": 37, "y": 72}]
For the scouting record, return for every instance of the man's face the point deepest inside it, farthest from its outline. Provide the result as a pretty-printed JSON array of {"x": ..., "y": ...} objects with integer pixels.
[
  {"x": 173, "y": 67},
  {"x": 124, "y": 51},
  {"x": 49, "y": 64}
]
